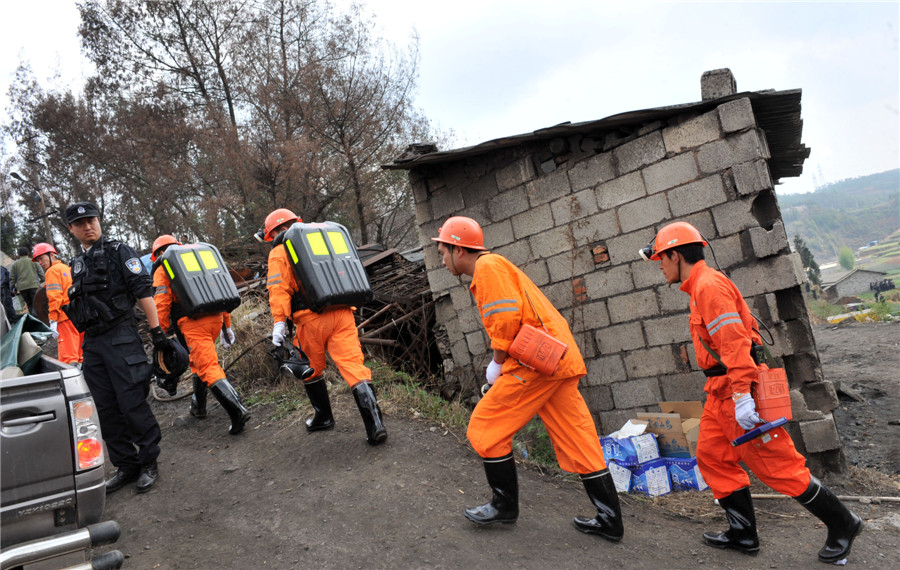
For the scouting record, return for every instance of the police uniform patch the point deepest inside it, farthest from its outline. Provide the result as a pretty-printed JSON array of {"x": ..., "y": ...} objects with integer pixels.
[
  {"x": 134, "y": 265},
  {"x": 78, "y": 267}
]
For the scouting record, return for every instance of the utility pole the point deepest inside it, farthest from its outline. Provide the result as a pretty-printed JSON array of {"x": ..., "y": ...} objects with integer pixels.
[{"x": 48, "y": 235}]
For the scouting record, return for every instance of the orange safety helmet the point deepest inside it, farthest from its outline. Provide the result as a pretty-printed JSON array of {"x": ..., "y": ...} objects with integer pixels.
[
  {"x": 276, "y": 219},
  {"x": 461, "y": 231},
  {"x": 671, "y": 236},
  {"x": 161, "y": 242},
  {"x": 42, "y": 248}
]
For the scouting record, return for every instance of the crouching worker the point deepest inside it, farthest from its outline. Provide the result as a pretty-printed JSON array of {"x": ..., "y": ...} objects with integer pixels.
[
  {"x": 199, "y": 329},
  {"x": 58, "y": 281},
  {"x": 508, "y": 300},
  {"x": 720, "y": 322},
  {"x": 334, "y": 330}
]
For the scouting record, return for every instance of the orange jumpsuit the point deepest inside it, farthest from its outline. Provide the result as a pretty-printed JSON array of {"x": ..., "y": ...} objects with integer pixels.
[
  {"x": 58, "y": 281},
  {"x": 200, "y": 333},
  {"x": 499, "y": 288},
  {"x": 720, "y": 316},
  {"x": 333, "y": 330}
]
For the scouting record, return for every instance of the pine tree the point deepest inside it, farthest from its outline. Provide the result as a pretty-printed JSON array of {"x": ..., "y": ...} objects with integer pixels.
[{"x": 809, "y": 262}]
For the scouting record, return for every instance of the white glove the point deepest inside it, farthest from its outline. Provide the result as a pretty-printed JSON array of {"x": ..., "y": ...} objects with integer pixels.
[
  {"x": 278, "y": 333},
  {"x": 493, "y": 371},
  {"x": 745, "y": 412},
  {"x": 53, "y": 329},
  {"x": 226, "y": 337}
]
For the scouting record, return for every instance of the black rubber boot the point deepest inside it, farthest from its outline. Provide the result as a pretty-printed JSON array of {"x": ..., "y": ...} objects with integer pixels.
[
  {"x": 317, "y": 391},
  {"x": 602, "y": 491},
  {"x": 741, "y": 534},
  {"x": 370, "y": 412},
  {"x": 198, "y": 399},
  {"x": 231, "y": 402},
  {"x": 843, "y": 524},
  {"x": 504, "y": 505}
]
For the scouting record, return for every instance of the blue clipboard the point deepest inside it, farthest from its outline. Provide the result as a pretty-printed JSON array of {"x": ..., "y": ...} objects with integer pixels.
[{"x": 758, "y": 431}]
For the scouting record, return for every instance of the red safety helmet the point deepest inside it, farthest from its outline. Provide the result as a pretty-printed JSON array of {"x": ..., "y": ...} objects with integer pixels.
[
  {"x": 278, "y": 218},
  {"x": 42, "y": 248},
  {"x": 461, "y": 231},
  {"x": 161, "y": 242},
  {"x": 671, "y": 236}
]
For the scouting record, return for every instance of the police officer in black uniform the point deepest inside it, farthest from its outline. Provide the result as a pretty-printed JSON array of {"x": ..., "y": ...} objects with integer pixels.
[{"x": 107, "y": 279}]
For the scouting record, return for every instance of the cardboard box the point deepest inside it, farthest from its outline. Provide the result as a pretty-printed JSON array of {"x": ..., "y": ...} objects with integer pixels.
[
  {"x": 677, "y": 427},
  {"x": 685, "y": 474},
  {"x": 651, "y": 478},
  {"x": 629, "y": 451},
  {"x": 621, "y": 476}
]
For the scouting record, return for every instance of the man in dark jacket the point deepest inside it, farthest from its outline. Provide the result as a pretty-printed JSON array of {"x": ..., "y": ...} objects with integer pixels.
[{"x": 25, "y": 277}]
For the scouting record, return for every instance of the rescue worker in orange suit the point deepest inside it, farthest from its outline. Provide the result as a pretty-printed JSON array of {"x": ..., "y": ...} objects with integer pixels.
[
  {"x": 199, "y": 334},
  {"x": 508, "y": 299},
  {"x": 58, "y": 279},
  {"x": 332, "y": 330},
  {"x": 721, "y": 318}
]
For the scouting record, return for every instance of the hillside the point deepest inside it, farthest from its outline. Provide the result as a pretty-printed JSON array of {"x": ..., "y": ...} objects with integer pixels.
[{"x": 848, "y": 213}]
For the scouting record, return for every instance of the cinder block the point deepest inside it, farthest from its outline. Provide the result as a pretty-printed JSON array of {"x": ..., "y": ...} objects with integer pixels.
[
  {"x": 733, "y": 216},
  {"x": 767, "y": 243},
  {"x": 432, "y": 258},
  {"x": 616, "y": 338},
  {"x": 624, "y": 248},
  {"x": 751, "y": 178},
  {"x": 739, "y": 148},
  {"x": 608, "y": 281},
  {"x": 692, "y": 133},
  {"x": 640, "y": 152},
  {"x": 516, "y": 174},
  {"x": 620, "y": 190},
  {"x": 820, "y": 396},
  {"x": 683, "y": 387},
  {"x": 446, "y": 203},
  {"x": 548, "y": 188},
  {"x": 646, "y": 274},
  {"x": 574, "y": 207},
  {"x": 419, "y": 189},
  {"x": 591, "y": 171},
  {"x": 597, "y": 398},
  {"x": 717, "y": 83},
  {"x": 820, "y": 435},
  {"x": 508, "y": 204},
  {"x": 649, "y": 362},
  {"x": 643, "y": 212},
  {"x": 560, "y": 295},
  {"x": 736, "y": 115},
  {"x": 460, "y": 353},
  {"x": 586, "y": 345},
  {"x": 667, "y": 330},
  {"x": 634, "y": 393},
  {"x": 605, "y": 370},
  {"x": 440, "y": 280},
  {"x": 597, "y": 228},
  {"x": 476, "y": 342},
  {"x": 537, "y": 272},
  {"x": 637, "y": 305},
  {"x": 803, "y": 368},
  {"x": 608, "y": 422},
  {"x": 728, "y": 252},
  {"x": 532, "y": 222},
  {"x": 672, "y": 299},
  {"x": 587, "y": 317},
  {"x": 423, "y": 213},
  {"x": 497, "y": 234},
  {"x": 461, "y": 297},
  {"x": 518, "y": 251},
  {"x": 770, "y": 274},
  {"x": 565, "y": 266},
  {"x": 801, "y": 411},
  {"x": 671, "y": 172},
  {"x": 477, "y": 209},
  {"x": 469, "y": 319},
  {"x": 700, "y": 195},
  {"x": 551, "y": 242}
]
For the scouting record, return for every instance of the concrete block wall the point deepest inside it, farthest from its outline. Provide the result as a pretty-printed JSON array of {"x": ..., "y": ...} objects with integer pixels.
[{"x": 549, "y": 213}]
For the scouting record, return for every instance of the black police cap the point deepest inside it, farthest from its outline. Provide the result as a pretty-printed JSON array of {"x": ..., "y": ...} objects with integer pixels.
[{"x": 80, "y": 210}]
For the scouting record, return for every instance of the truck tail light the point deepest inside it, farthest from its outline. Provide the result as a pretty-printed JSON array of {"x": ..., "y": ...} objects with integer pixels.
[{"x": 86, "y": 429}]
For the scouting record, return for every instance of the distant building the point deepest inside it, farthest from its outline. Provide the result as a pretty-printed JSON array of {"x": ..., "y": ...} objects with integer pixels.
[{"x": 849, "y": 283}]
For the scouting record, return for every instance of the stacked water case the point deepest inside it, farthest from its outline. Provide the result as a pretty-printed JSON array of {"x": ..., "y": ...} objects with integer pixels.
[
  {"x": 327, "y": 266},
  {"x": 200, "y": 279}
]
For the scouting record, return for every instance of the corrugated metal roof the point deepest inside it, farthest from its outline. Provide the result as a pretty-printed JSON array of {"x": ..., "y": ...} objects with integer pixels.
[{"x": 777, "y": 114}]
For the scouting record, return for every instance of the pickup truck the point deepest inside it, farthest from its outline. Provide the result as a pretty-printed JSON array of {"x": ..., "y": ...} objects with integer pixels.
[{"x": 52, "y": 482}]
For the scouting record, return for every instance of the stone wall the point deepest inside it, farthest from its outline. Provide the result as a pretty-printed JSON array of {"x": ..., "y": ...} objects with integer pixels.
[{"x": 573, "y": 212}]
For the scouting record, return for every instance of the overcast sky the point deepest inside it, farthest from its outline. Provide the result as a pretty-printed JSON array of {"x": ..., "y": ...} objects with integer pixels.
[{"x": 494, "y": 68}]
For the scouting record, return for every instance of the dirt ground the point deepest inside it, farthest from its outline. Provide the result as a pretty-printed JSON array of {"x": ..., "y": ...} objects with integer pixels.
[{"x": 279, "y": 497}]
